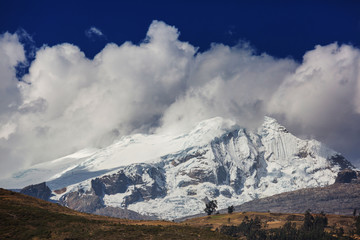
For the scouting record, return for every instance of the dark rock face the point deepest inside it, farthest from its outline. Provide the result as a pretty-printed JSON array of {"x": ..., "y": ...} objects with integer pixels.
[
  {"x": 60, "y": 191},
  {"x": 198, "y": 155},
  {"x": 141, "y": 181},
  {"x": 91, "y": 203},
  {"x": 82, "y": 201},
  {"x": 347, "y": 176},
  {"x": 221, "y": 174},
  {"x": 226, "y": 193},
  {"x": 201, "y": 175},
  {"x": 238, "y": 183},
  {"x": 38, "y": 190},
  {"x": 341, "y": 161}
]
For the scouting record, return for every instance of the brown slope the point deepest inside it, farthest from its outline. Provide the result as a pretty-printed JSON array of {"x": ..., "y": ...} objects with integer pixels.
[
  {"x": 25, "y": 217},
  {"x": 339, "y": 198}
]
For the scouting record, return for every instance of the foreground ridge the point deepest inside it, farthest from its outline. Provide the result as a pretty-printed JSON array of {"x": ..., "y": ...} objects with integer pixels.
[{"x": 24, "y": 217}]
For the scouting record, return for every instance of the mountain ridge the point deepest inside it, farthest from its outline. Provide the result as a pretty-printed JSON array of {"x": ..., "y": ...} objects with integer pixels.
[{"x": 172, "y": 176}]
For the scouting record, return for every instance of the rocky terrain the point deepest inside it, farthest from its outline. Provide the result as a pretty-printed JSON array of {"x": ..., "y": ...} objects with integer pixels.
[
  {"x": 336, "y": 199},
  {"x": 41, "y": 191},
  {"x": 340, "y": 198},
  {"x": 172, "y": 176}
]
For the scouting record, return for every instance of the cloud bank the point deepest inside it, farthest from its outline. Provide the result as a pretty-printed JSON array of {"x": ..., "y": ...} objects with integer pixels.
[{"x": 68, "y": 102}]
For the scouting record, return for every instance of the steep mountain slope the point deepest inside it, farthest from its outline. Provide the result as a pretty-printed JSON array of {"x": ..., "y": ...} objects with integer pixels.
[
  {"x": 342, "y": 197},
  {"x": 337, "y": 198},
  {"x": 172, "y": 176}
]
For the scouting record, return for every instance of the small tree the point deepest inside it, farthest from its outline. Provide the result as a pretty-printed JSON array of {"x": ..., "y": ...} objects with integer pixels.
[
  {"x": 357, "y": 225},
  {"x": 231, "y": 209},
  {"x": 320, "y": 222},
  {"x": 211, "y": 207},
  {"x": 308, "y": 221}
]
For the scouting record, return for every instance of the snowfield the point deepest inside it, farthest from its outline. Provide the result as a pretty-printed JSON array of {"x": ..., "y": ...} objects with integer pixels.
[{"x": 172, "y": 176}]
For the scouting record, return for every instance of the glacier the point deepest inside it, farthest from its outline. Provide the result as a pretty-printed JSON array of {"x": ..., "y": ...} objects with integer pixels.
[{"x": 172, "y": 175}]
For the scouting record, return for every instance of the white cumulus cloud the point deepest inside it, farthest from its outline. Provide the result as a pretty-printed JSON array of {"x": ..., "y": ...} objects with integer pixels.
[
  {"x": 322, "y": 97},
  {"x": 68, "y": 102}
]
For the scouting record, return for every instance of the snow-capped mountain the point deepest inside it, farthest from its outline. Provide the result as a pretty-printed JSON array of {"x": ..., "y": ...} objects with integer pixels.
[{"x": 171, "y": 176}]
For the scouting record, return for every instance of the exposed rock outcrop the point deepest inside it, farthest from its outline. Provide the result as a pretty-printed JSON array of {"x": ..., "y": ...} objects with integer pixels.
[
  {"x": 82, "y": 201},
  {"x": 139, "y": 182},
  {"x": 348, "y": 176},
  {"x": 37, "y": 190}
]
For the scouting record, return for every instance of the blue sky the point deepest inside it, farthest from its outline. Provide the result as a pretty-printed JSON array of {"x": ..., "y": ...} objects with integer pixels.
[
  {"x": 279, "y": 28},
  {"x": 122, "y": 67}
]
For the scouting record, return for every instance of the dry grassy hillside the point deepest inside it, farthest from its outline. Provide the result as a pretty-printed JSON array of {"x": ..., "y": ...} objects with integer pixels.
[
  {"x": 24, "y": 217},
  {"x": 271, "y": 220}
]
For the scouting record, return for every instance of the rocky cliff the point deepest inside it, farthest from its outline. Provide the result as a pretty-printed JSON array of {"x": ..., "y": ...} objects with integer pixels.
[{"x": 38, "y": 190}]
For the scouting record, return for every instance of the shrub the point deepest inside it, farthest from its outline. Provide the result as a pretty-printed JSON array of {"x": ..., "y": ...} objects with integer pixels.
[{"x": 231, "y": 209}]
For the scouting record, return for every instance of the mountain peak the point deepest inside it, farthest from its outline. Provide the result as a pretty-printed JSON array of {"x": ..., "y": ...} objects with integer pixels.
[
  {"x": 213, "y": 127},
  {"x": 169, "y": 175},
  {"x": 272, "y": 125}
]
